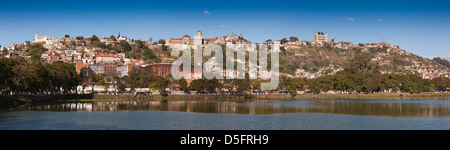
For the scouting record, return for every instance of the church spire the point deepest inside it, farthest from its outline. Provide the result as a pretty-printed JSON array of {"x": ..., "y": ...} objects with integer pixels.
[{"x": 36, "y": 35}]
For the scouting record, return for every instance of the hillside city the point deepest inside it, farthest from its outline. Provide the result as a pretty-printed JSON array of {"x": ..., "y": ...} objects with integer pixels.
[{"x": 117, "y": 56}]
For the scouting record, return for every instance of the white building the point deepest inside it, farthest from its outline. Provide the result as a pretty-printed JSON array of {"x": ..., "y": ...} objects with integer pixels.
[
  {"x": 124, "y": 38},
  {"x": 123, "y": 70},
  {"x": 320, "y": 37},
  {"x": 106, "y": 57},
  {"x": 106, "y": 41},
  {"x": 70, "y": 52},
  {"x": 41, "y": 39},
  {"x": 12, "y": 47}
]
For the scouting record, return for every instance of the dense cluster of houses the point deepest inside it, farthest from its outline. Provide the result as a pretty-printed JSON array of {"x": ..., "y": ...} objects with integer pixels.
[
  {"x": 99, "y": 62},
  {"x": 96, "y": 62}
]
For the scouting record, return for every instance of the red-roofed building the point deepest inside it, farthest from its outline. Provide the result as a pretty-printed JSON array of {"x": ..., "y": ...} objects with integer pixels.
[
  {"x": 107, "y": 57},
  {"x": 88, "y": 40}
]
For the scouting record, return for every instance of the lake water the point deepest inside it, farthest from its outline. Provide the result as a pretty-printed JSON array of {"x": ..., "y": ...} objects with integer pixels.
[{"x": 253, "y": 115}]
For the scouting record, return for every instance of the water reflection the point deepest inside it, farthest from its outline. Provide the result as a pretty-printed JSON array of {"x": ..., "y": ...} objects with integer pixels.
[{"x": 393, "y": 108}]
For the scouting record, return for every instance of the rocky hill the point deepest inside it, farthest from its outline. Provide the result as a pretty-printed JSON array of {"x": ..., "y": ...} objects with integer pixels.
[{"x": 312, "y": 61}]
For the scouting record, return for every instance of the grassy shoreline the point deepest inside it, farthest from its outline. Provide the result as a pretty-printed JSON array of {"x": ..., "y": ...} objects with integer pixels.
[
  {"x": 361, "y": 96},
  {"x": 13, "y": 101}
]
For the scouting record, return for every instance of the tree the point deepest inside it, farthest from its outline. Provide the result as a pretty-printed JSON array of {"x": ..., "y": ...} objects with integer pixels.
[
  {"x": 283, "y": 50},
  {"x": 241, "y": 85},
  {"x": 211, "y": 85},
  {"x": 294, "y": 84},
  {"x": 161, "y": 41},
  {"x": 125, "y": 46},
  {"x": 7, "y": 75},
  {"x": 83, "y": 77},
  {"x": 21, "y": 75},
  {"x": 442, "y": 61},
  {"x": 32, "y": 77},
  {"x": 361, "y": 64},
  {"x": 145, "y": 79},
  {"x": 269, "y": 41},
  {"x": 36, "y": 49},
  {"x": 160, "y": 84},
  {"x": 121, "y": 87},
  {"x": 441, "y": 83},
  {"x": 197, "y": 85},
  {"x": 94, "y": 79},
  {"x": 147, "y": 53},
  {"x": 112, "y": 37},
  {"x": 133, "y": 76},
  {"x": 95, "y": 41},
  {"x": 113, "y": 78},
  {"x": 183, "y": 85},
  {"x": 293, "y": 39},
  {"x": 256, "y": 85},
  {"x": 70, "y": 76},
  {"x": 63, "y": 76},
  {"x": 104, "y": 83},
  {"x": 284, "y": 40}
]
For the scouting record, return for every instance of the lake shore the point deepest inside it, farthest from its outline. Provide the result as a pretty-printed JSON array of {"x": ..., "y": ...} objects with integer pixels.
[
  {"x": 360, "y": 96},
  {"x": 13, "y": 101}
]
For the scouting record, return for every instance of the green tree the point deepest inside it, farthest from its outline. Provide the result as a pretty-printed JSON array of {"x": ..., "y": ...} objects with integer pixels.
[
  {"x": 121, "y": 87},
  {"x": 95, "y": 42},
  {"x": 94, "y": 79},
  {"x": 161, "y": 41},
  {"x": 133, "y": 76},
  {"x": 104, "y": 83},
  {"x": 112, "y": 37},
  {"x": 36, "y": 49},
  {"x": 361, "y": 64},
  {"x": 242, "y": 85},
  {"x": 125, "y": 46},
  {"x": 284, "y": 40},
  {"x": 95, "y": 39},
  {"x": 183, "y": 85},
  {"x": 83, "y": 77},
  {"x": 293, "y": 39},
  {"x": 442, "y": 61},
  {"x": 197, "y": 85},
  {"x": 160, "y": 84},
  {"x": 294, "y": 84},
  {"x": 212, "y": 85},
  {"x": 441, "y": 83}
]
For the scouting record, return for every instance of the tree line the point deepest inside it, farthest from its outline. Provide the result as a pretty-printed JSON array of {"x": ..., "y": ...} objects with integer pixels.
[
  {"x": 360, "y": 75},
  {"x": 20, "y": 76},
  {"x": 341, "y": 82}
]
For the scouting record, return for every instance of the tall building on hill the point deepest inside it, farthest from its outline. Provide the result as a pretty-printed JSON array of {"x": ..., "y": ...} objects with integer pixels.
[
  {"x": 198, "y": 39},
  {"x": 320, "y": 37},
  {"x": 43, "y": 39},
  {"x": 186, "y": 39}
]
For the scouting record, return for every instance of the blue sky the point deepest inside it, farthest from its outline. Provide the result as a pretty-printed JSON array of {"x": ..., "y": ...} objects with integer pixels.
[{"x": 421, "y": 27}]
